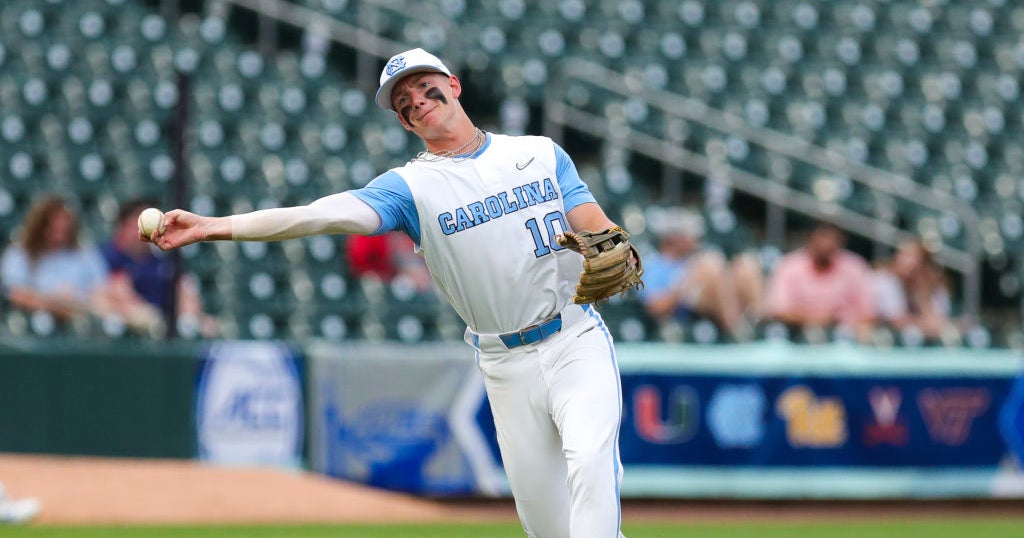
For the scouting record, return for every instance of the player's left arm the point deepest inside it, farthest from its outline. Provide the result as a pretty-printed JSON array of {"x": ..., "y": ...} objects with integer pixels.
[
  {"x": 581, "y": 208},
  {"x": 611, "y": 265},
  {"x": 590, "y": 217}
]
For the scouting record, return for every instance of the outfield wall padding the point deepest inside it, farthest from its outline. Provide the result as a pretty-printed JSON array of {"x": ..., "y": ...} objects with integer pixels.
[
  {"x": 761, "y": 420},
  {"x": 101, "y": 400}
]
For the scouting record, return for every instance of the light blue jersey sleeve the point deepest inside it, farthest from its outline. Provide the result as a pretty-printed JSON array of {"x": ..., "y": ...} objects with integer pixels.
[
  {"x": 389, "y": 195},
  {"x": 574, "y": 190}
]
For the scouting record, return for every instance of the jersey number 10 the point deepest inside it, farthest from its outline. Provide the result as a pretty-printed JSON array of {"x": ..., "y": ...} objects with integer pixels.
[{"x": 545, "y": 247}]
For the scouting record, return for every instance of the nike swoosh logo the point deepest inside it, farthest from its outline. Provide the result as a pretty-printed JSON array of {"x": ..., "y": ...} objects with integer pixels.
[{"x": 524, "y": 165}]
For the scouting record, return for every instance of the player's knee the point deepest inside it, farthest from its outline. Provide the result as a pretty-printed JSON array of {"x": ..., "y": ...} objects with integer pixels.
[{"x": 590, "y": 464}]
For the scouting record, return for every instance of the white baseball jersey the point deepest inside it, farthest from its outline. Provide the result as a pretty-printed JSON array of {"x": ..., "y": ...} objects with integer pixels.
[{"x": 486, "y": 226}]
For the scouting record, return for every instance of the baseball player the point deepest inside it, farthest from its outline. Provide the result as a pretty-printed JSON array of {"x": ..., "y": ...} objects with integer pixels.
[{"x": 501, "y": 222}]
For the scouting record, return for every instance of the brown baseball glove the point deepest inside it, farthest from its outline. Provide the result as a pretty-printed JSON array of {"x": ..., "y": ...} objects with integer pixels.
[{"x": 610, "y": 264}]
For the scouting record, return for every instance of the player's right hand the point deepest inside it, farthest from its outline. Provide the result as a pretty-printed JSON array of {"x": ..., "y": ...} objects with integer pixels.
[{"x": 180, "y": 228}]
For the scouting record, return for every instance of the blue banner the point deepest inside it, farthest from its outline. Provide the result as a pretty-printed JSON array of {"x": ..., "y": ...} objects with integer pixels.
[
  {"x": 385, "y": 420},
  {"x": 806, "y": 422},
  {"x": 249, "y": 404},
  {"x": 757, "y": 421},
  {"x": 812, "y": 421}
]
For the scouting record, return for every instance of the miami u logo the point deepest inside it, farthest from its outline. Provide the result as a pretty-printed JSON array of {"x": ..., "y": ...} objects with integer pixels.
[{"x": 677, "y": 425}]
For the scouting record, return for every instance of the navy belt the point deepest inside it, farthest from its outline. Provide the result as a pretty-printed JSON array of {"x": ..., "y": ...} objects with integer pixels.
[{"x": 532, "y": 334}]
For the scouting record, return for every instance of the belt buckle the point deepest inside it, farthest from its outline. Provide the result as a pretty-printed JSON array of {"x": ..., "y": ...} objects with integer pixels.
[{"x": 522, "y": 341}]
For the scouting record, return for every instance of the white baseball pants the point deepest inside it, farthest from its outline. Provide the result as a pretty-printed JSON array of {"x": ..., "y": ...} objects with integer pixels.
[{"x": 557, "y": 407}]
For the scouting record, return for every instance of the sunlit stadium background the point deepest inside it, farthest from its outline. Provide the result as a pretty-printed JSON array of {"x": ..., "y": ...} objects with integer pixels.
[{"x": 889, "y": 118}]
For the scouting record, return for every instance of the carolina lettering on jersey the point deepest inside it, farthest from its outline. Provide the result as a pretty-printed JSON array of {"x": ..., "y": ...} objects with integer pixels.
[{"x": 492, "y": 207}]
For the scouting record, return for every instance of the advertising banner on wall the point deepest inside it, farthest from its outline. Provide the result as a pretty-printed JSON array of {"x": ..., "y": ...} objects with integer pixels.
[
  {"x": 812, "y": 421},
  {"x": 698, "y": 421},
  {"x": 400, "y": 417},
  {"x": 249, "y": 405}
]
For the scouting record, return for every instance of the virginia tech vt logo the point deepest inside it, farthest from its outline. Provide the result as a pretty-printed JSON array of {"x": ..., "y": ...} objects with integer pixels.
[{"x": 950, "y": 413}]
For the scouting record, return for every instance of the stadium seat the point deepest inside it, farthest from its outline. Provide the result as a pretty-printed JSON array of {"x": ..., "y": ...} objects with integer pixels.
[{"x": 927, "y": 90}]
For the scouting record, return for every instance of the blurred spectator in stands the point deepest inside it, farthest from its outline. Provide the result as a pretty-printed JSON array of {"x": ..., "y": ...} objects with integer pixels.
[
  {"x": 823, "y": 285},
  {"x": 389, "y": 258},
  {"x": 47, "y": 270},
  {"x": 15, "y": 511},
  {"x": 683, "y": 279},
  {"x": 911, "y": 290},
  {"x": 141, "y": 281}
]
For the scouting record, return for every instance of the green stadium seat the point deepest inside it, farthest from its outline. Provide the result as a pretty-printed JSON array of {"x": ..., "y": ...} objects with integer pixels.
[{"x": 926, "y": 90}]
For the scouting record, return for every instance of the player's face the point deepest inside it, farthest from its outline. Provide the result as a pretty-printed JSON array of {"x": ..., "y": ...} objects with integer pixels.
[{"x": 425, "y": 100}]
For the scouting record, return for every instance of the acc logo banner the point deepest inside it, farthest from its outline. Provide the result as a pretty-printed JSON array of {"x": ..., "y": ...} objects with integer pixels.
[
  {"x": 949, "y": 413},
  {"x": 736, "y": 416},
  {"x": 249, "y": 408},
  {"x": 678, "y": 425},
  {"x": 812, "y": 422},
  {"x": 885, "y": 405}
]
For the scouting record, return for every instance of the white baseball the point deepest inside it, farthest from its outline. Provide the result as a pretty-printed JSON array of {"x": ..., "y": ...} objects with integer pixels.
[{"x": 150, "y": 220}]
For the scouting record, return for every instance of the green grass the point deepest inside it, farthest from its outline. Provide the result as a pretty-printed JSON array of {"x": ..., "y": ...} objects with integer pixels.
[{"x": 933, "y": 528}]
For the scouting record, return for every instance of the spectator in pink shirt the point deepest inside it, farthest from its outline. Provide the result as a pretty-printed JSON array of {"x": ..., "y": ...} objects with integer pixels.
[{"x": 823, "y": 285}]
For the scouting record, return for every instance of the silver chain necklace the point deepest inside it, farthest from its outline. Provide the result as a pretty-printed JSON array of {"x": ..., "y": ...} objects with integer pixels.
[{"x": 458, "y": 154}]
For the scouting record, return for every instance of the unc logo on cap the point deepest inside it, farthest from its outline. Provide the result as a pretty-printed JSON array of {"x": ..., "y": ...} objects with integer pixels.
[
  {"x": 405, "y": 63},
  {"x": 395, "y": 65}
]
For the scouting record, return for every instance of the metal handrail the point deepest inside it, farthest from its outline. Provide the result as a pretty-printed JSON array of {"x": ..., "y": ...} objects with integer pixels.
[
  {"x": 426, "y": 13},
  {"x": 777, "y": 141},
  {"x": 336, "y": 30},
  {"x": 363, "y": 41},
  {"x": 965, "y": 261},
  {"x": 749, "y": 182}
]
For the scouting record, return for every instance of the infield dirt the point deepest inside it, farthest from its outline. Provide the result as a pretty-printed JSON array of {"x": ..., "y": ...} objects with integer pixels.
[
  {"x": 103, "y": 491},
  {"x": 96, "y": 491}
]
